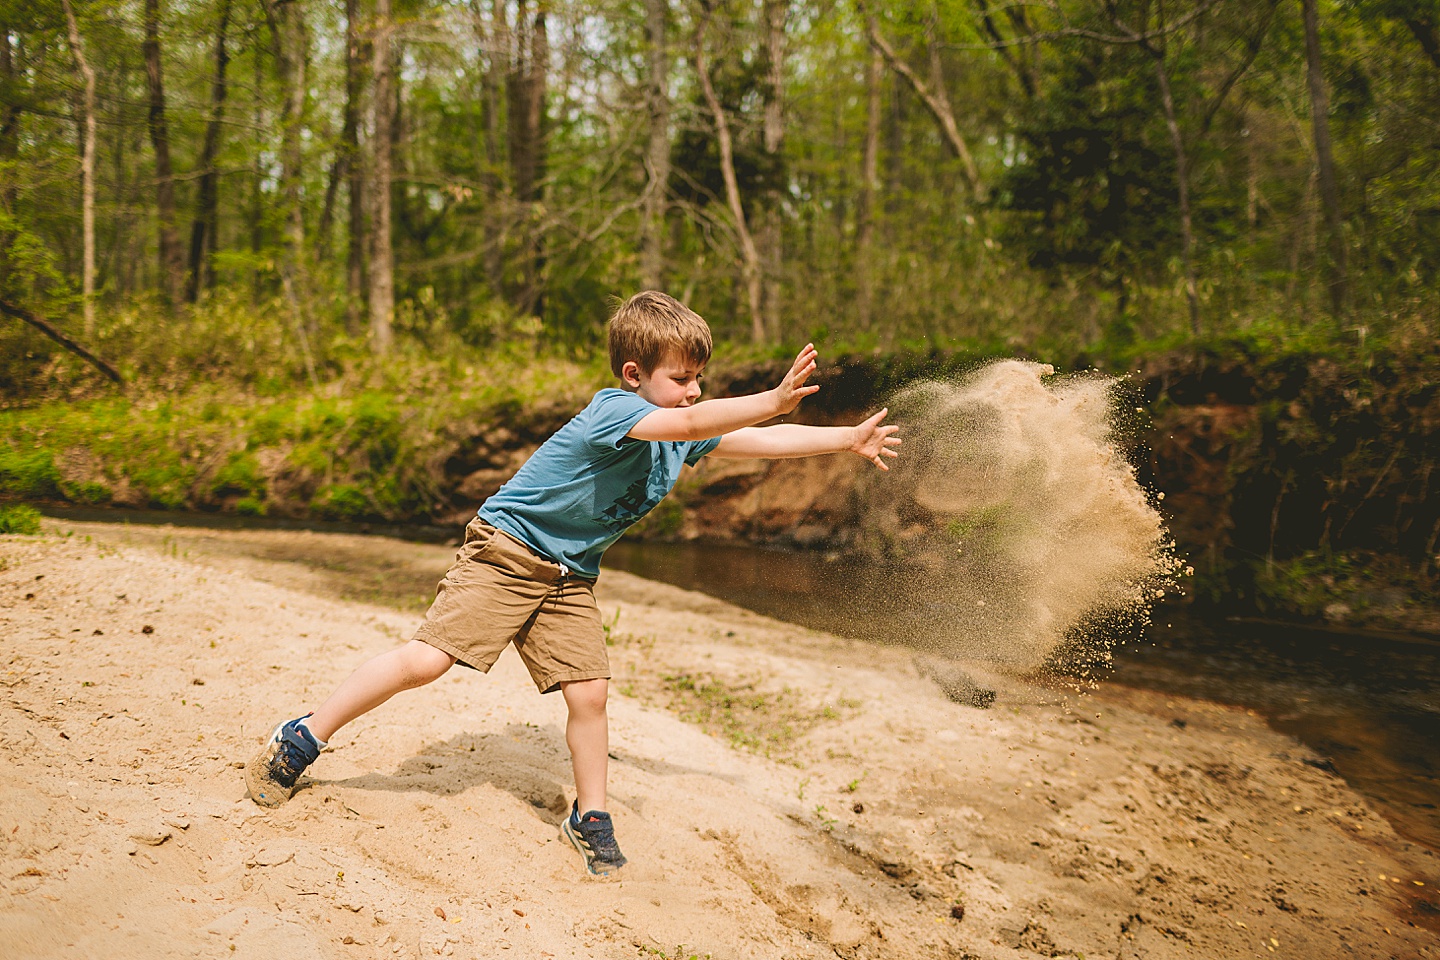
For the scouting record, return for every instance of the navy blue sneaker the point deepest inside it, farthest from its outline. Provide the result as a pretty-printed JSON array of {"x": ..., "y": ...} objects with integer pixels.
[
  {"x": 594, "y": 836},
  {"x": 271, "y": 776}
]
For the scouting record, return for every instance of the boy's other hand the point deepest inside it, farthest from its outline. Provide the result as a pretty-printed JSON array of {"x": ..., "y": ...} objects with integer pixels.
[
  {"x": 874, "y": 442},
  {"x": 793, "y": 389}
]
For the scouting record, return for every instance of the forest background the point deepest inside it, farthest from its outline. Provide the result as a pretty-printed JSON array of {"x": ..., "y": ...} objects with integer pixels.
[{"x": 339, "y": 258}]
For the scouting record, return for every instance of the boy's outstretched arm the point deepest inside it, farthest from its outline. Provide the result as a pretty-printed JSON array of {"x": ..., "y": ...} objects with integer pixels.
[
  {"x": 716, "y": 417},
  {"x": 869, "y": 438}
]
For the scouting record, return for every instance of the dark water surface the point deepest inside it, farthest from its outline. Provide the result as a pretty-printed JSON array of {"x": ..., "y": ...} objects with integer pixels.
[{"x": 1369, "y": 704}]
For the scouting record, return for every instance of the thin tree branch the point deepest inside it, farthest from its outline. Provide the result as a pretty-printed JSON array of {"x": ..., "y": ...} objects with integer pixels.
[
  {"x": 1252, "y": 50},
  {"x": 1069, "y": 31},
  {"x": 934, "y": 101},
  {"x": 39, "y": 323}
]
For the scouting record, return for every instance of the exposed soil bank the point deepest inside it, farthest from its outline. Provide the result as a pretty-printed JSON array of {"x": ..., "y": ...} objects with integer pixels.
[{"x": 822, "y": 800}]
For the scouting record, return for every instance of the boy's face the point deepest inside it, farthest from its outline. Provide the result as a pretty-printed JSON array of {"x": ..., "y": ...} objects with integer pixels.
[{"x": 674, "y": 383}]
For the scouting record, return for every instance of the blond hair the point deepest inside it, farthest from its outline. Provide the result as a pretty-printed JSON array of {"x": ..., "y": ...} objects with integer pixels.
[{"x": 652, "y": 325}]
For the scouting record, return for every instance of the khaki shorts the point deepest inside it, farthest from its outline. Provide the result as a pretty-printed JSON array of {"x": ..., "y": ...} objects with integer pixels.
[{"x": 499, "y": 591}]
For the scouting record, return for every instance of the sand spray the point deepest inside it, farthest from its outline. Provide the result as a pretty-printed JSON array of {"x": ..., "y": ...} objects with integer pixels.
[{"x": 1012, "y": 525}]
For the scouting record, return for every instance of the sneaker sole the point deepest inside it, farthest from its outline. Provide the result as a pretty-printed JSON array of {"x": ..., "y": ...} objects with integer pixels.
[
  {"x": 263, "y": 790},
  {"x": 579, "y": 845}
]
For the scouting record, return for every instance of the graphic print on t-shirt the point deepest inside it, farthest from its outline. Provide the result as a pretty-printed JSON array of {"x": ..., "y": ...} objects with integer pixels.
[{"x": 638, "y": 499}]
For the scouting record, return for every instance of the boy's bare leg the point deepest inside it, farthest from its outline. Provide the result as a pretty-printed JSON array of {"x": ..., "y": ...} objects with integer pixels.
[
  {"x": 377, "y": 680},
  {"x": 587, "y": 733}
]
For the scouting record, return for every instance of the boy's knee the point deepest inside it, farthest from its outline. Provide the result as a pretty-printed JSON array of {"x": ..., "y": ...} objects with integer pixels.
[
  {"x": 424, "y": 663},
  {"x": 586, "y": 696}
]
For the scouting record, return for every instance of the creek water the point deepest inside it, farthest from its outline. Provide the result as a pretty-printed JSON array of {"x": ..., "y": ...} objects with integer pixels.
[{"x": 1370, "y": 705}]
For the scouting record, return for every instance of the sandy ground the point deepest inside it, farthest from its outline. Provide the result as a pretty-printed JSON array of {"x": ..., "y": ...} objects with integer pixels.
[{"x": 781, "y": 793}]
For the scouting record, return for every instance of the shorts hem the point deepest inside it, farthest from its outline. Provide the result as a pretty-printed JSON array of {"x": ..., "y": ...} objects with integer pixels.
[
  {"x": 461, "y": 657},
  {"x": 552, "y": 683}
]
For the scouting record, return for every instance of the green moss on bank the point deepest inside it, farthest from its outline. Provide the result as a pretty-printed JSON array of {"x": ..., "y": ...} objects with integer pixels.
[{"x": 364, "y": 451}]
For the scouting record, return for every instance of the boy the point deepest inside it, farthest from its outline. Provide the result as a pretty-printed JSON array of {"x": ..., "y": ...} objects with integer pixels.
[{"x": 526, "y": 571}]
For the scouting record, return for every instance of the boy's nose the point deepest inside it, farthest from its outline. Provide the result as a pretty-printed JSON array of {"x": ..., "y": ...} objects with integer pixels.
[{"x": 692, "y": 391}]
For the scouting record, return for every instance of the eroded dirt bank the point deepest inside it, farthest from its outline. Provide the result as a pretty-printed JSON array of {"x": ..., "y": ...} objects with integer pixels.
[{"x": 782, "y": 793}]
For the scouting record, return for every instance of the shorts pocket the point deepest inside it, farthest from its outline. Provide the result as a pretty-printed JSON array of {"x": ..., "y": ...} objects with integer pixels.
[{"x": 479, "y": 537}]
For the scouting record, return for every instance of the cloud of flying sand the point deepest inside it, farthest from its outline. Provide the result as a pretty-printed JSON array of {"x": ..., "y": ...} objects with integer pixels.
[{"x": 1017, "y": 522}]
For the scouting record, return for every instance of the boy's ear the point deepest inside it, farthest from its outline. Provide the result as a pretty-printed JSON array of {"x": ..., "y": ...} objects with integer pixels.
[{"x": 630, "y": 373}]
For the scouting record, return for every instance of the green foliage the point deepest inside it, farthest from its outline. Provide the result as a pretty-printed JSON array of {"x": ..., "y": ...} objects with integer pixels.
[
  {"x": 241, "y": 474},
  {"x": 1074, "y": 240},
  {"x": 341, "y": 501},
  {"x": 28, "y": 473},
  {"x": 1095, "y": 182},
  {"x": 18, "y": 518},
  {"x": 364, "y": 450},
  {"x": 1347, "y": 588}
]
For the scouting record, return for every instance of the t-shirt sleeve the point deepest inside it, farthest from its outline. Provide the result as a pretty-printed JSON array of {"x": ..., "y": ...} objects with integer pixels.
[
  {"x": 613, "y": 414},
  {"x": 699, "y": 448}
]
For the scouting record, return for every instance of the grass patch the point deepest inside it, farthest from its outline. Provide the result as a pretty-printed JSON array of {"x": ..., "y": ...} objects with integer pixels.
[
  {"x": 742, "y": 714},
  {"x": 18, "y": 518}
]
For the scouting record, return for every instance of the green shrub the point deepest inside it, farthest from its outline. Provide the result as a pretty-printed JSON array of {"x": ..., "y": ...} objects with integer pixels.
[
  {"x": 85, "y": 491},
  {"x": 240, "y": 474},
  {"x": 17, "y": 518},
  {"x": 250, "y": 507},
  {"x": 32, "y": 475},
  {"x": 340, "y": 501}
]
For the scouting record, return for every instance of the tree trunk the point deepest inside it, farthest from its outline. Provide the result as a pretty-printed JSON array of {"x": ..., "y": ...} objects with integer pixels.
[
  {"x": 527, "y": 88},
  {"x": 382, "y": 275},
  {"x": 1325, "y": 162},
  {"x": 289, "y": 46},
  {"x": 869, "y": 170},
  {"x": 657, "y": 152},
  {"x": 172, "y": 260},
  {"x": 936, "y": 101},
  {"x": 750, "y": 257},
  {"x": 9, "y": 145},
  {"x": 255, "y": 215},
  {"x": 771, "y": 226},
  {"x": 87, "y": 172},
  {"x": 355, "y": 280},
  {"x": 493, "y": 78},
  {"x": 1182, "y": 182},
  {"x": 203, "y": 229},
  {"x": 345, "y": 168}
]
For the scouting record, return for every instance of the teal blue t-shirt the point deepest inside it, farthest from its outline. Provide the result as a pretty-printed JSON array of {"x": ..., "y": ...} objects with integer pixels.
[{"x": 585, "y": 485}]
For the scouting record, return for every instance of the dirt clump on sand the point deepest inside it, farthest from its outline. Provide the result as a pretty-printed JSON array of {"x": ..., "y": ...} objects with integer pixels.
[{"x": 781, "y": 793}]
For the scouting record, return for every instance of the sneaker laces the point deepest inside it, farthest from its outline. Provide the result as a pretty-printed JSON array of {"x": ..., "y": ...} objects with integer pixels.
[
  {"x": 599, "y": 832},
  {"x": 296, "y": 750}
]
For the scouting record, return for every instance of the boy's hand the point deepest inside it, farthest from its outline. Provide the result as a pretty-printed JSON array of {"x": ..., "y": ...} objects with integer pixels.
[
  {"x": 793, "y": 389},
  {"x": 874, "y": 442}
]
